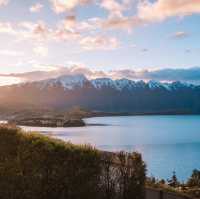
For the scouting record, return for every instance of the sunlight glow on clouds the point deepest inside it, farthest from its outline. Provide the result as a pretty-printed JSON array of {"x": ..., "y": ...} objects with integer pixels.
[
  {"x": 99, "y": 43},
  {"x": 6, "y": 27},
  {"x": 36, "y": 7},
  {"x": 180, "y": 35},
  {"x": 3, "y": 2},
  {"x": 100, "y": 32},
  {"x": 41, "y": 51},
  {"x": 60, "y": 6},
  {"x": 9, "y": 80},
  {"x": 191, "y": 75},
  {"x": 11, "y": 53},
  {"x": 163, "y": 9}
]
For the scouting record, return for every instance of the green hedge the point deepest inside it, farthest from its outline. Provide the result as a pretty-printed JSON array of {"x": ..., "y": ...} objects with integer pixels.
[{"x": 33, "y": 166}]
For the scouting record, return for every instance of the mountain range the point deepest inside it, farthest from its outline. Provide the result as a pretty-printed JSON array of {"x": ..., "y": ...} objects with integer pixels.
[{"x": 103, "y": 94}]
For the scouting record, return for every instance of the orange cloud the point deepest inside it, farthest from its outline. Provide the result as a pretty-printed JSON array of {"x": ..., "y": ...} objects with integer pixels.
[
  {"x": 122, "y": 23},
  {"x": 99, "y": 43},
  {"x": 6, "y": 27},
  {"x": 60, "y": 6},
  {"x": 180, "y": 35},
  {"x": 165, "y": 75},
  {"x": 3, "y": 2},
  {"x": 37, "y": 31},
  {"x": 163, "y": 9},
  {"x": 116, "y": 8},
  {"x": 36, "y": 7},
  {"x": 11, "y": 53},
  {"x": 41, "y": 51}
]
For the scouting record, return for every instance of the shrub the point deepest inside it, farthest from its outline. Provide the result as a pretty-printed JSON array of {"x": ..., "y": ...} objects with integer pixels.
[{"x": 37, "y": 167}]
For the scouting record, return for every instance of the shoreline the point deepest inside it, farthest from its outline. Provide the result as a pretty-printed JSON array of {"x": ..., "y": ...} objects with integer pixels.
[
  {"x": 78, "y": 121},
  {"x": 107, "y": 114}
]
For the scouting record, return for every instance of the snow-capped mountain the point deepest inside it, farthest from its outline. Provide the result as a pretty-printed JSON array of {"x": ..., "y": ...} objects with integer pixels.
[
  {"x": 66, "y": 81},
  {"x": 104, "y": 94},
  {"x": 70, "y": 82}
]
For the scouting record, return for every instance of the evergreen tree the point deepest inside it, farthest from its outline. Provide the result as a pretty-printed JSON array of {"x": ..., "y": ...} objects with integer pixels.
[
  {"x": 173, "y": 182},
  {"x": 194, "y": 180}
]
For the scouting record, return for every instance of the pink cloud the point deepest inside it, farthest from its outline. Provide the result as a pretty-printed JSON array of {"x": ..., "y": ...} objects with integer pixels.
[
  {"x": 99, "y": 42},
  {"x": 60, "y": 6},
  {"x": 122, "y": 23},
  {"x": 115, "y": 7},
  {"x": 6, "y": 27},
  {"x": 36, "y": 7},
  {"x": 3, "y": 2},
  {"x": 163, "y": 9},
  {"x": 180, "y": 35},
  {"x": 165, "y": 75}
]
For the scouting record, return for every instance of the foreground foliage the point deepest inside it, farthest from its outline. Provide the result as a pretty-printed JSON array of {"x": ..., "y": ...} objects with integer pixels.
[
  {"x": 37, "y": 167},
  {"x": 190, "y": 188}
]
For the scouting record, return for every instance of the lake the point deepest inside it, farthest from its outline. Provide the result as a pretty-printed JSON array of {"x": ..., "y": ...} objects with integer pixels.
[{"x": 167, "y": 143}]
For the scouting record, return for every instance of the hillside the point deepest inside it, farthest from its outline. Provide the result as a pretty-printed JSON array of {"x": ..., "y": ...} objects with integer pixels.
[{"x": 38, "y": 167}]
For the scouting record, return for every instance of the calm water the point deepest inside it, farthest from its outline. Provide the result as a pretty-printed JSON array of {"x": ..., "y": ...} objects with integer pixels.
[{"x": 167, "y": 143}]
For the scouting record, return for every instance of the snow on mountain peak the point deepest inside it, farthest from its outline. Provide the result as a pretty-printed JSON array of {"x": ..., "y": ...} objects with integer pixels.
[
  {"x": 103, "y": 82},
  {"x": 67, "y": 81},
  {"x": 72, "y": 81},
  {"x": 118, "y": 84},
  {"x": 152, "y": 84}
]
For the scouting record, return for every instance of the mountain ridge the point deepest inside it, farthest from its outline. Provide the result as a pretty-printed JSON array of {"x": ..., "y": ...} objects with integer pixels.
[
  {"x": 69, "y": 81},
  {"x": 103, "y": 94}
]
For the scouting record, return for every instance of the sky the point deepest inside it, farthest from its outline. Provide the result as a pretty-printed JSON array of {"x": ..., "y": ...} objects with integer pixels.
[{"x": 99, "y": 35}]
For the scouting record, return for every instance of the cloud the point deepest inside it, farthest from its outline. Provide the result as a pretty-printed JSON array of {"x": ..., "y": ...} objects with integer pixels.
[
  {"x": 3, "y": 2},
  {"x": 116, "y": 18},
  {"x": 65, "y": 35},
  {"x": 9, "y": 80},
  {"x": 41, "y": 32},
  {"x": 36, "y": 31},
  {"x": 91, "y": 33},
  {"x": 43, "y": 67},
  {"x": 163, "y": 9},
  {"x": 147, "y": 12},
  {"x": 69, "y": 22},
  {"x": 41, "y": 51},
  {"x": 113, "y": 6},
  {"x": 26, "y": 30},
  {"x": 60, "y": 6},
  {"x": 11, "y": 53},
  {"x": 122, "y": 23},
  {"x": 50, "y": 71},
  {"x": 6, "y": 27},
  {"x": 190, "y": 75},
  {"x": 180, "y": 35},
  {"x": 68, "y": 29},
  {"x": 99, "y": 42},
  {"x": 36, "y": 7}
]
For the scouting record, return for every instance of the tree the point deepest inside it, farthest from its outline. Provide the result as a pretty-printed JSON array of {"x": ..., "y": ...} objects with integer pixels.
[
  {"x": 131, "y": 175},
  {"x": 194, "y": 180},
  {"x": 173, "y": 182},
  {"x": 108, "y": 178}
]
